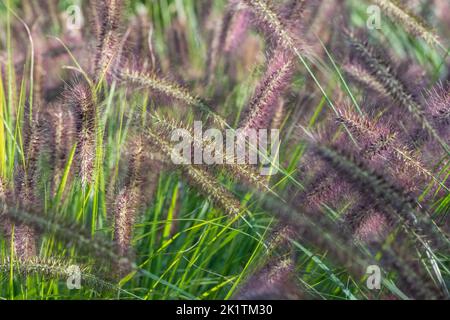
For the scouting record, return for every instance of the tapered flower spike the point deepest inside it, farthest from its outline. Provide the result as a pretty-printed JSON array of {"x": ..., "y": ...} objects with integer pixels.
[
  {"x": 25, "y": 237},
  {"x": 110, "y": 12},
  {"x": 276, "y": 28},
  {"x": 124, "y": 216},
  {"x": 207, "y": 184},
  {"x": 375, "y": 138},
  {"x": 128, "y": 201},
  {"x": 61, "y": 131},
  {"x": 412, "y": 24},
  {"x": 81, "y": 100},
  {"x": 54, "y": 269},
  {"x": 68, "y": 232},
  {"x": 162, "y": 86},
  {"x": 273, "y": 281},
  {"x": 235, "y": 33},
  {"x": 362, "y": 76},
  {"x": 379, "y": 140},
  {"x": 3, "y": 207},
  {"x": 264, "y": 102},
  {"x": 170, "y": 90},
  {"x": 93, "y": 11},
  {"x": 242, "y": 171},
  {"x": 438, "y": 107},
  {"x": 367, "y": 224}
]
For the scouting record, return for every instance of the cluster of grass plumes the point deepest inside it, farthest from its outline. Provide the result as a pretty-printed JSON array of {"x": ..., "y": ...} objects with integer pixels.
[{"x": 88, "y": 172}]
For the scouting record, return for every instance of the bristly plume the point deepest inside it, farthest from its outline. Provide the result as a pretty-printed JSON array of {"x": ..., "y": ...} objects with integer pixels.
[
  {"x": 33, "y": 141},
  {"x": 128, "y": 200},
  {"x": 110, "y": 12},
  {"x": 4, "y": 221},
  {"x": 274, "y": 281},
  {"x": 205, "y": 182},
  {"x": 92, "y": 11},
  {"x": 359, "y": 74},
  {"x": 243, "y": 171},
  {"x": 54, "y": 269},
  {"x": 124, "y": 216},
  {"x": 379, "y": 142},
  {"x": 61, "y": 131},
  {"x": 413, "y": 24},
  {"x": 26, "y": 182},
  {"x": 236, "y": 30},
  {"x": 367, "y": 224},
  {"x": 438, "y": 108},
  {"x": 69, "y": 232},
  {"x": 264, "y": 101},
  {"x": 81, "y": 100},
  {"x": 277, "y": 30},
  {"x": 169, "y": 89}
]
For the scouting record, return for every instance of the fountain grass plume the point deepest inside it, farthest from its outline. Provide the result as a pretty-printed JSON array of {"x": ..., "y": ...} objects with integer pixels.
[
  {"x": 359, "y": 74},
  {"x": 438, "y": 107},
  {"x": 242, "y": 171},
  {"x": 68, "y": 232},
  {"x": 110, "y": 12},
  {"x": 263, "y": 104},
  {"x": 276, "y": 28},
  {"x": 379, "y": 140},
  {"x": 55, "y": 269},
  {"x": 206, "y": 183},
  {"x": 129, "y": 199},
  {"x": 81, "y": 100},
  {"x": 61, "y": 134},
  {"x": 167, "y": 88},
  {"x": 273, "y": 281}
]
